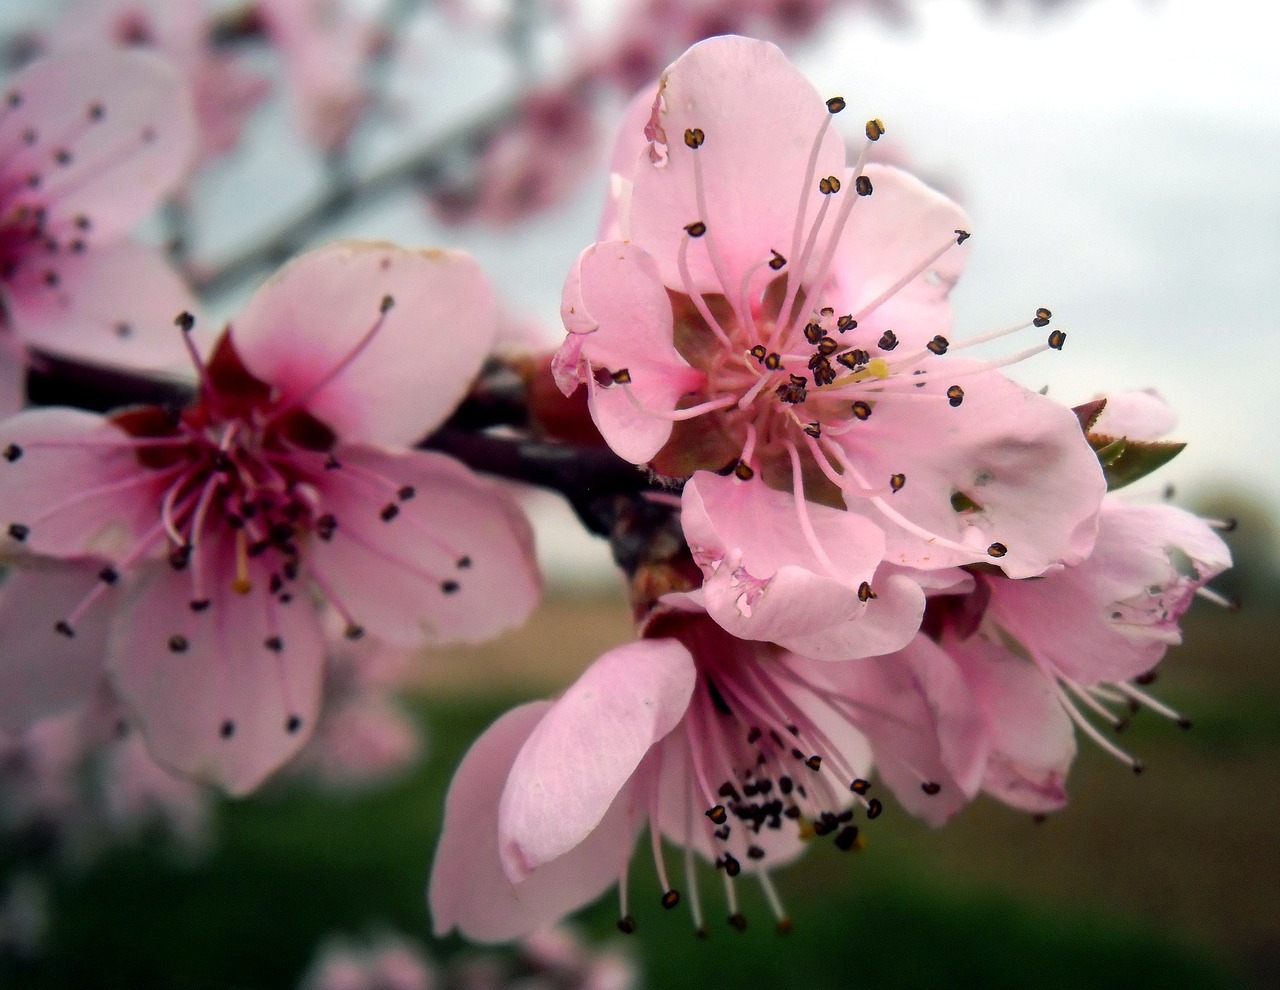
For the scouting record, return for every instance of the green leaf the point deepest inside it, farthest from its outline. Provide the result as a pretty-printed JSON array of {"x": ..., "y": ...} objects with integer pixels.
[{"x": 1125, "y": 461}]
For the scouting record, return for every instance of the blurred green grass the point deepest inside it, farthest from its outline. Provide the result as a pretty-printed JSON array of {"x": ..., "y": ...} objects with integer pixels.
[{"x": 1168, "y": 877}]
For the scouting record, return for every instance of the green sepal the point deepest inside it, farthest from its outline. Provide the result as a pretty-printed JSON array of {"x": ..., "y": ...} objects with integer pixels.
[
  {"x": 1125, "y": 461},
  {"x": 1088, "y": 413}
]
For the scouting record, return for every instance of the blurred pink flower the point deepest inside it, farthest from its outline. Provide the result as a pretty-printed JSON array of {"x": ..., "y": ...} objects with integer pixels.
[
  {"x": 89, "y": 144},
  {"x": 736, "y": 751},
  {"x": 290, "y": 476}
]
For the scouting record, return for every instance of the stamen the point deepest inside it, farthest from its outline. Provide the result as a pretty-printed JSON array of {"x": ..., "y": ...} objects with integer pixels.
[
  {"x": 802, "y": 512},
  {"x": 1091, "y": 731},
  {"x": 783, "y": 922},
  {"x": 1157, "y": 706},
  {"x": 1209, "y": 595},
  {"x": 910, "y": 276},
  {"x": 686, "y": 280}
]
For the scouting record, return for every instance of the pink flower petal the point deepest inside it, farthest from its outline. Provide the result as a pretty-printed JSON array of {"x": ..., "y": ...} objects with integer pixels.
[
  {"x": 469, "y": 889},
  {"x": 615, "y": 302},
  {"x": 226, "y": 694},
  {"x": 585, "y": 749},
  {"x": 453, "y": 562},
  {"x": 758, "y": 135},
  {"x": 316, "y": 314},
  {"x": 1113, "y": 616},
  {"x": 1017, "y": 455},
  {"x": 1032, "y": 739},
  {"x": 113, "y": 305},
  {"x": 114, "y": 132},
  {"x": 1141, "y": 415},
  {"x": 41, "y": 672},
  {"x": 76, "y": 488}
]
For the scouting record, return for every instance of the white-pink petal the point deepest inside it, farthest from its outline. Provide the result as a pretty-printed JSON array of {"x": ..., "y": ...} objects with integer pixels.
[{"x": 585, "y": 749}]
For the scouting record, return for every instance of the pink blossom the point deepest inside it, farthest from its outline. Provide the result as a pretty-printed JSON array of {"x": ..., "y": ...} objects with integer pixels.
[
  {"x": 224, "y": 87},
  {"x": 89, "y": 144},
  {"x": 735, "y": 751},
  {"x": 288, "y": 478},
  {"x": 390, "y": 963},
  {"x": 797, "y": 347}
]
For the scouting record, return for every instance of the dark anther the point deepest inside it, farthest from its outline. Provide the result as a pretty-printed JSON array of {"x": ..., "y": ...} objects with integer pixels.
[
  {"x": 293, "y": 724},
  {"x": 1056, "y": 339},
  {"x": 14, "y": 99},
  {"x": 874, "y": 807},
  {"x": 828, "y": 185},
  {"x": 227, "y": 729},
  {"x": 783, "y": 926},
  {"x": 938, "y": 345},
  {"x": 955, "y": 395},
  {"x": 1042, "y": 317},
  {"x": 108, "y": 575},
  {"x": 742, "y": 471},
  {"x": 275, "y": 583},
  {"x": 865, "y": 594},
  {"x": 97, "y": 111},
  {"x": 1138, "y": 768},
  {"x": 777, "y": 261},
  {"x": 738, "y": 921},
  {"x": 274, "y": 643},
  {"x": 627, "y": 925},
  {"x": 463, "y": 562},
  {"x": 773, "y": 361},
  {"x": 19, "y": 532},
  {"x": 695, "y": 229},
  {"x": 1148, "y": 678},
  {"x": 184, "y": 321},
  {"x": 693, "y": 137},
  {"x": 813, "y": 332},
  {"x": 758, "y": 352},
  {"x": 863, "y": 185},
  {"x": 847, "y": 839},
  {"x": 63, "y": 627},
  {"x": 794, "y": 391},
  {"x": 178, "y": 643},
  {"x": 727, "y": 790},
  {"x": 931, "y": 787},
  {"x": 326, "y": 525},
  {"x": 12, "y": 452},
  {"x": 814, "y": 430},
  {"x": 389, "y": 512},
  {"x": 51, "y": 278},
  {"x": 814, "y": 763},
  {"x": 731, "y": 866},
  {"x": 854, "y": 359},
  {"x": 353, "y": 632},
  {"x": 836, "y": 104},
  {"x": 961, "y": 236},
  {"x": 385, "y": 305},
  {"x": 997, "y": 550},
  {"x": 846, "y": 322},
  {"x": 180, "y": 557},
  {"x": 828, "y": 346},
  {"x": 896, "y": 481},
  {"x": 824, "y": 373},
  {"x": 861, "y": 410},
  {"x": 331, "y": 463},
  {"x": 200, "y": 604},
  {"x": 406, "y": 492},
  {"x": 222, "y": 462},
  {"x": 888, "y": 341},
  {"x": 449, "y": 587},
  {"x": 875, "y": 129},
  {"x": 722, "y": 833},
  {"x": 671, "y": 898},
  {"x": 717, "y": 814},
  {"x": 621, "y": 377},
  {"x": 1183, "y": 723},
  {"x": 860, "y": 786},
  {"x": 62, "y": 156},
  {"x": 755, "y": 852}
]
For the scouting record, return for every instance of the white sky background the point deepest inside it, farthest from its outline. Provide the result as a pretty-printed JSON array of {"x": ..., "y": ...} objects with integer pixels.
[{"x": 1120, "y": 160}]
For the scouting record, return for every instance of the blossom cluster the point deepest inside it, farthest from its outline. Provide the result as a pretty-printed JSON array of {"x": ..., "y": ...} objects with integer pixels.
[{"x": 857, "y": 558}]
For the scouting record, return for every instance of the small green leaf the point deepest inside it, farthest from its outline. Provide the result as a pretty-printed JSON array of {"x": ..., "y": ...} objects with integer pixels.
[{"x": 1125, "y": 461}]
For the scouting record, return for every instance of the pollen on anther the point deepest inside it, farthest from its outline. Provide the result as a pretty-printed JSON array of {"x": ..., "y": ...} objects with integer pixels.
[
  {"x": 814, "y": 430},
  {"x": 961, "y": 236},
  {"x": 386, "y": 304},
  {"x": 847, "y": 839},
  {"x": 860, "y": 786},
  {"x": 184, "y": 321},
  {"x": 888, "y": 341},
  {"x": 836, "y": 104},
  {"x": 875, "y": 129},
  {"x": 814, "y": 762},
  {"x": 997, "y": 550},
  {"x": 874, "y": 808},
  {"x": 777, "y": 261},
  {"x": 389, "y": 512},
  {"x": 717, "y": 814},
  {"x": 12, "y": 452},
  {"x": 896, "y": 481},
  {"x": 955, "y": 395},
  {"x": 773, "y": 361},
  {"x": 862, "y": 185},
  {"x": 846, "y": 322},
  {"x": 865, "y": 594},
  {"x": 758, "y": 352},
  {"x": 1042, "y": 317},
  {"x": 931, "y": 787},
  {"x": 693, "y": 137},
  {"x": 695, "y": 229},
  {"x": 1056, "y": 339},
  {"x": 861, "y": 410},
  {"x": 828, "y": 185},
  {"x": 621, "y": 377},
  {"x": 743, "y": 472},
  {"x": 671, "y": 898},
  {"x": 938, "y": 345}
]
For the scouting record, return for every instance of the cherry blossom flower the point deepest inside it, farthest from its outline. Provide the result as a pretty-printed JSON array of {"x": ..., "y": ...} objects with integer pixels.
[
  {"x": 812, "y": 378},
  {"x": 736, "y": 751},
  {"x": 288, "y": 478},
  {"x": 225, "y": 89},
  {"x": 89, "y": 144}
]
